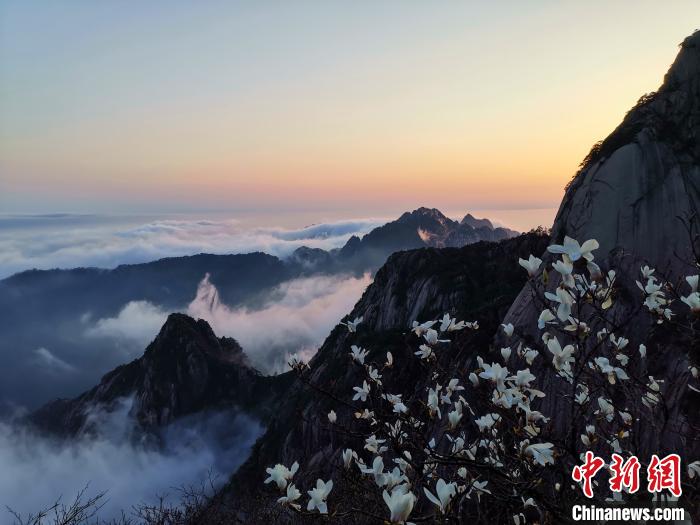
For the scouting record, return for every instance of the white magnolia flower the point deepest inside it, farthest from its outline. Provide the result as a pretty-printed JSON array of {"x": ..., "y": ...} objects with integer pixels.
[
  {"x": 496, "y": 373},
  {"x": 281, "y": 475},
  {"x": 531, "y": 265},
  {"x": 565, "y": 269},
  {"x": 693, "y": 282},
  {"x": 619, "y": 343},
  {"x": 505, "y": 353},
  {"x": 643, "y": 351},
  {"x": 563, "y": 357},
  {"x": 474, "y": 379},
  {"x": 522, "y": 378},
  {"x": 431, "y": 337},
  {"x": 374, "y": 374},
  {"x": 332, "y": 417},
  {"x": 352, "y": 325},
  {"x": 377, "y": 471},
  {"x": 693, "y": 301},
  {"x": 652, "y": 396},
  {"x": 424, "y": 352},
  {"x": 573, "y": 250},
  {"x": 358, "y": 354},
  {"x": 487, "y": 422},
  {"x": 361, "y": 392},
  {"x": 565, "y": 300},
  {"x": 434, "y": 402},
  {"x": 455, "y": 416},
  {"x": 444, "y": 492},
  {"x": 508, "y": 329},
  {"x": 400, "y": 503},
  {"x": 420, "y": 328},
  {"x": 389, "y": 359},
  {"x": 694, "y": 469},
  {"x": 293, "y": 494},
  {"x": 545, "y": 318},
  {"x": 606, "y": 409},
  {"x": 530, "y": 355},
  {"x": 541, "y": 453},
  {"x": 446, "y": 322},
  {"x": 647, "y": 272},
  {"x": 612, "y": 372},
  {"x": 348, "y": 454},
  {"x": 374, "y": 445},
  {"x": 583, "y": 395},
  {"x": 318, "y": 496}
]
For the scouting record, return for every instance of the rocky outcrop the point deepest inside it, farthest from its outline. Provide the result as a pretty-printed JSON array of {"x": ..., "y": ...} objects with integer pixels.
[
  {"x": 475, "y": 282},
  {"x": 635, "y": 187},
  {"x": 635, "y": 193},
  {"x": 186, "y": 369}
]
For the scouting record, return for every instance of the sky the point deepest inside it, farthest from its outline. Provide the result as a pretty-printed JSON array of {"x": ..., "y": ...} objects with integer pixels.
[{"x": 363, "y": 108}]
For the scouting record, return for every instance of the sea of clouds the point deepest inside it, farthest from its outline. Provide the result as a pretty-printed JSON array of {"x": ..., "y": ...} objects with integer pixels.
[
  {"x": 38, "y": 470},
  {"x": 295, "y": 318},
  {"x": 71, "y": 241}
]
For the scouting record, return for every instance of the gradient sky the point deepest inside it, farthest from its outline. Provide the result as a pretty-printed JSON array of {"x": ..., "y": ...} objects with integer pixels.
[{"x": 360, "y": 106}]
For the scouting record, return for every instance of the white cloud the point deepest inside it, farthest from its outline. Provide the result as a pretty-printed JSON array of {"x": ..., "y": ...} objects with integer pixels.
[
  {"x": 130, "y": 473},
  {"x": 98, "y": 242},
  {"x": 138, "y": 321},
  {"x": 54, "y": 365},
  {"x": 296, "y": 317}
]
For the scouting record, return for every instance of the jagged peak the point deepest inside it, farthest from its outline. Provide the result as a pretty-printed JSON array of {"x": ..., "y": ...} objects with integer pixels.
[
  {"x": 424, "y": 212},
  {"x": 472, "y": 221},
  {"x": 182, "y": 334}
]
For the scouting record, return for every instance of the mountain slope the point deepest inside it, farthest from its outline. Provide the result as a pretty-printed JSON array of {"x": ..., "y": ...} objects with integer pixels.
[
  {"x": 636, "y": 185},
  {"x": 186, "y": 369}
]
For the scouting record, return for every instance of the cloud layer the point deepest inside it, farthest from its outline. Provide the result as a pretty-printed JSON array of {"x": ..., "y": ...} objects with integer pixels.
[
  {"x": 74, "y": 241},
  {"x": 130, "y": 472},
  {"x": 295, "y": 318}
]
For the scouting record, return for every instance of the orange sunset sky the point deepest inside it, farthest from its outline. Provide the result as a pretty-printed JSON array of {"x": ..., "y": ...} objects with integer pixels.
[{"x": 357, "y": 107}]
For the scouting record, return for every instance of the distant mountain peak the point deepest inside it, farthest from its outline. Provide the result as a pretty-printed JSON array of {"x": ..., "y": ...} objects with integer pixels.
[
  {"x": 472, "y": 221},
  {"x": 423, "y": 212}
]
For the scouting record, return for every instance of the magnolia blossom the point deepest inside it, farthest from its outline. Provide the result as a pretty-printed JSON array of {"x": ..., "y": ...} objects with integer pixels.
[
  {"x": 563, "y": 357},
  {"x": 352, "y": 325},
  {"x": 487, "y": 421},
  {"x": 348, "y": 454},
  {"x": 431, "y": 337},
  {"x": 693, "y": 301},
  {"x": 505, "y": 353},
  {"x": 361, "y": 392},
  {"x": 420, "y": 328},
  {"x": 530, "y": 355},
  {"x": 389, "y": 360},
  {"x": 606, "y": 409},
  {"x": 694, "y": 469},
  {"x": 424, "y": 352},
  {"x": 508, "y": 329},
  {"x": 400, "y": 503},
  {"x": 545, "y": 317},
  {"x": 444, "y": 492},
  {"x": 293, "y": 494},
  {"x": 474, "y": 379},
  {"x": 541, "y": 453},
  {"x": 281, "y": 474},
  {"x": 565, "y": 300},
  {"x": 612, "y": 372},
  {"x": 455, "y": 416},
  {"x": 332, "y": 417},
  {"x": 693, "y": 281},
  {"x": 573, "y": 250},
  {"x": 318, "y": 496},
  {"x": 479, "y": 487},
  {"x": 531, "y": 265},
  {"x": 643, "y": 351},
  {"x": 496, "y": 373},
  {"x": 358, "y": 354}
]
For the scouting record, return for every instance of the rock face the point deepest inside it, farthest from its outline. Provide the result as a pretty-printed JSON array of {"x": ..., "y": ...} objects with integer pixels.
[
  {"x": 476, "y": 282},
  {"x": 186, "y": 369},
  {"x": 636, "y": 185},
  {"x": 633, "y": 193}
]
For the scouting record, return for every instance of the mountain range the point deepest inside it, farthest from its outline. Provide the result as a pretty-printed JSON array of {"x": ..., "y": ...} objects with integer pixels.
[{"x": 633, "y": 193}]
